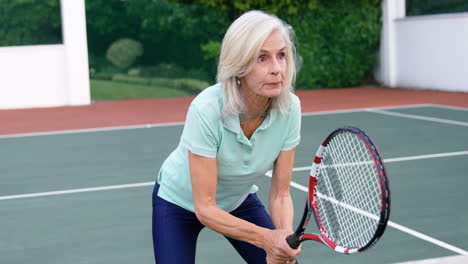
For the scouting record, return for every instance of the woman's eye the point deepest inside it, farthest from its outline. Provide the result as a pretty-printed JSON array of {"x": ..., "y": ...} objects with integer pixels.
[
  {"x": 281, "y": 55},
  {"x": 261, "y": 58}
]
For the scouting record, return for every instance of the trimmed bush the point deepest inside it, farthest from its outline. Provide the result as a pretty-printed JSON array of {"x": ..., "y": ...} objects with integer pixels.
[
  {"x": 192, "y": 86},
  {"x": 124, "y": 52}
]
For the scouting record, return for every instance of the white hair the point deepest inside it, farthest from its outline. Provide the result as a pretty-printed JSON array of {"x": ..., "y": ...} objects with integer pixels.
[{"x": 241, "y": 45}]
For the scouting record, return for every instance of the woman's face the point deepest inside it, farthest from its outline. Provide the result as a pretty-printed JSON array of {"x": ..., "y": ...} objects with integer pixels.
[{"x": 269, "y": 70}]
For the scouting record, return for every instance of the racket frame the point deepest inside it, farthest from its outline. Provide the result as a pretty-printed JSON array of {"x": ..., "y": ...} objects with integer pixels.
[{"x": 299, "y": 235}]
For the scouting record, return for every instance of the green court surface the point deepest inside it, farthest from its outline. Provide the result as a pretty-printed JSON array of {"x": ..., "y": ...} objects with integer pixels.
[{"x": 85, "y": 197}]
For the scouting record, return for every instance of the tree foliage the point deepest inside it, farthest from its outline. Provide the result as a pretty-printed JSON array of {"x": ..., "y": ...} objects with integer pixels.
[
  {"x": 429, "y": 7},
  {"x": 337, "y": 39},
  {"x": 30, "y": 22},
  {"x": 171, "y": 32}
]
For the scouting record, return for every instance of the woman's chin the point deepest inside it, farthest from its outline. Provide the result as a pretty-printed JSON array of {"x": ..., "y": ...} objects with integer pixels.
[{"x": 274, "y": 92}]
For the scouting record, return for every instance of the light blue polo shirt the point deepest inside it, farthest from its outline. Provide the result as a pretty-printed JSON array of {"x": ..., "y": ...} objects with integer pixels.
[{"x": 240, "y": 162}]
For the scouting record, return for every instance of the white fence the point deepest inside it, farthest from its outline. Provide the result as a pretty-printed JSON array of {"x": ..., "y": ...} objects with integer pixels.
[
  {"x": 423, "y": 52},
  {"x": 48, "y": 75}
]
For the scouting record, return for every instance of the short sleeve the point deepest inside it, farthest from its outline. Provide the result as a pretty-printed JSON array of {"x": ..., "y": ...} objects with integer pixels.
[
  {"x": 293, "y": 135},
  {"x": 200, "y": 133}
]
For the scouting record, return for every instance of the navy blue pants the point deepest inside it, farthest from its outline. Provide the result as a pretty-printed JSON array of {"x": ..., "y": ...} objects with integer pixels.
[{"x": 175, "y": 231}]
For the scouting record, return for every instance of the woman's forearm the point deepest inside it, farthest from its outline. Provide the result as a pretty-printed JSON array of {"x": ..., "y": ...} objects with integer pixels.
[
  {"x": 281, "y": 204},
  {"x": 203, "y": 176},
  {"x": 222, "y": 222},
  {"x": 282, "y": 212}
]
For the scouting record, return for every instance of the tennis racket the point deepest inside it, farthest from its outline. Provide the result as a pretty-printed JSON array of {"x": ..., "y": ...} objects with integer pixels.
[{"x": 348, "y": 195}]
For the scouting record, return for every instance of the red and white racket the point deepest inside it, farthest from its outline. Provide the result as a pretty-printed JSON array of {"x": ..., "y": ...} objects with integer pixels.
[{"x": 349, "y": 194}]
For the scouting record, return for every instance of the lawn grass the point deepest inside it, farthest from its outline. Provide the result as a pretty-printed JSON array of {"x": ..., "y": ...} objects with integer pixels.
[{"x": 108, "y": 90}]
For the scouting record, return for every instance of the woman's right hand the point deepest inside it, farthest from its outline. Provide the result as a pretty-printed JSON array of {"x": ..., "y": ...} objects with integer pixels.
[{"x": 277, "y": 249}]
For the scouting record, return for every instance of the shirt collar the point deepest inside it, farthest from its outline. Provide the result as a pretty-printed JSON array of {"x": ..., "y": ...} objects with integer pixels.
[{"x": 232, "y": 122}]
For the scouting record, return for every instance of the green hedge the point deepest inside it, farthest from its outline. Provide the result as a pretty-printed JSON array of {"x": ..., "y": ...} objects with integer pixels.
[
  {"x": 338, "y": 41},
  {"x": 430, "y": 7},
  {"x": 30, "y": 22},
  {"x": 192, "y": 86}
]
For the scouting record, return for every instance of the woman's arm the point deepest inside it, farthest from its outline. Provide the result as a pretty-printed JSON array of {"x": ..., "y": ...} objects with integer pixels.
[
  {"x": 281, "y": 205},
  {"x": 203, "y": 174}
]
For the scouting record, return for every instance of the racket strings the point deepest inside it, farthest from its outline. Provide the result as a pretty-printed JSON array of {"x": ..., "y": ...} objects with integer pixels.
[
  {"x": 365, "y": 171},
  {"x": 351, "y": 196},
  {"x": 348, "y": 174},
  {"x": 349, "y": 192}
]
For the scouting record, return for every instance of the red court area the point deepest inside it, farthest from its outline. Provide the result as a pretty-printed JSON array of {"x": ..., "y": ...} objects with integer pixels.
[{"x": 169, "y": 110}]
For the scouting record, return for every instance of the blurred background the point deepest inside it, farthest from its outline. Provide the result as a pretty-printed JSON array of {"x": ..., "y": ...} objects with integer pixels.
[{"x": 156, "y": 48}]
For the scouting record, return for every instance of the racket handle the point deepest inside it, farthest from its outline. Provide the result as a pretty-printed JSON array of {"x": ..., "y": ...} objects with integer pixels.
[{"x": 293, "y": 241}]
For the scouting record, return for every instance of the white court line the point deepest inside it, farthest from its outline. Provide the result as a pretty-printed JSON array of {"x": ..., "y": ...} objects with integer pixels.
[
  {"x": 426, "y": 118},
  {"x": 293, "y": 184},
  {"x": 391, "y": 223},
  {"x": 418, "y": 157},
  {"x": 345, "y": 111},
  {"x": 141, "y": 184},
  {"x": 123, "y": 186},
  {"x": 457, "y": 259},
  {"x": 76, "y": 131},
  {"x": 87, "y": 130},
  {"x": 450, "y": 107},
  {"x": 92, "y": 189}
]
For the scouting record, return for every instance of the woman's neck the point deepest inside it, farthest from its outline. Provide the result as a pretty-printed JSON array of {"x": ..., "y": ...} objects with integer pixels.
[{"x": 255, "y": 106}]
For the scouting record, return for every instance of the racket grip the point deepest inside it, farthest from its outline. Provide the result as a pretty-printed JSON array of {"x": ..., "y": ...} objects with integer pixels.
[{"x": 293, "y": 241}]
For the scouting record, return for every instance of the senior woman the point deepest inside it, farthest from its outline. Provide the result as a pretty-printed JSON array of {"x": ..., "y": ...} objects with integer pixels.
[{"x": 235, "y": 131}]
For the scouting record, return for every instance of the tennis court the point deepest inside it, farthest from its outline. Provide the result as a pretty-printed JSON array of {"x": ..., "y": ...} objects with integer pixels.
[{"x": 85, "y": 196}]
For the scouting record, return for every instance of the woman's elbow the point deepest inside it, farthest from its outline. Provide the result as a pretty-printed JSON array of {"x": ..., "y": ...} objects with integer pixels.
[{"x": 202, "y": 212}]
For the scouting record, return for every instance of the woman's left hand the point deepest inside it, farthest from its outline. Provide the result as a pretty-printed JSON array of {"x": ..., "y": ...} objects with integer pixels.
[{"x": 278, "y": 251}]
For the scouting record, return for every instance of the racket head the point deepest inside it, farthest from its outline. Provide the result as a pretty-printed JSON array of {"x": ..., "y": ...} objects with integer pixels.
[{"x": 349, "y": 192}]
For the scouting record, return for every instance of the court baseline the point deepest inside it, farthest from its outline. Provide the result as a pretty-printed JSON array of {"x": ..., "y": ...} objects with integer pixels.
[
  {"x": 293, "y": 184},
  {"x": 379, "y": 110},
  {"x": 143, "y": 184},
  {"x": 419, "y": 117},
  {"x": 114, "y": 128}
]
